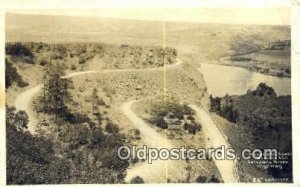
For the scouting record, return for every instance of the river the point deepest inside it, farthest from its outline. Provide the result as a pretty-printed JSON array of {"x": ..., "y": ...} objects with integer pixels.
[{"x": 233, "y": 80}]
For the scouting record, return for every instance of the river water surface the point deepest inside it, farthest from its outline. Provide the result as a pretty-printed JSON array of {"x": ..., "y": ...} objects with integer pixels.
[{"x": 233, "y": 80}]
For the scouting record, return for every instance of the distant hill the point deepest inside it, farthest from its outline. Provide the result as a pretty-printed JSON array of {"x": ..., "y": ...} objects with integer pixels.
[
  {"x": 210, "y": 41},
  {"x": 79, "y": 29}
]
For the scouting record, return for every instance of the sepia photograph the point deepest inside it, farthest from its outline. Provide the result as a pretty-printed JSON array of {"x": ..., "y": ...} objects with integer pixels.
[{"x": 147, "y": 95}]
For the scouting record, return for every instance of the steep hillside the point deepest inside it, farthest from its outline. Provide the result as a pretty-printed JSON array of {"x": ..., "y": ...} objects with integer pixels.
[{"x": 258, "y": 119}]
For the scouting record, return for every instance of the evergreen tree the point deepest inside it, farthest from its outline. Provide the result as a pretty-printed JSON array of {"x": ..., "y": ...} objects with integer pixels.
[
  {"x": 95, "y": 102},
  {"x": 55, "y": 91}
]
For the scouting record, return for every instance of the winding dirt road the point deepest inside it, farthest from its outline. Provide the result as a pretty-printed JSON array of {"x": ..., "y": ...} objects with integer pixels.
[
  {"x": 216, "y": 139},
  {"x": 23, "y": 102},
  {"x": 153, "y": 172},
  {"x": 157, "y": 171}
]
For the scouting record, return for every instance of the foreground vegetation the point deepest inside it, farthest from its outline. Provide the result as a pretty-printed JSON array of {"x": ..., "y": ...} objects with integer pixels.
[
  {"x": 74, "y": 149},
  {"x": 34, "y": 159}
]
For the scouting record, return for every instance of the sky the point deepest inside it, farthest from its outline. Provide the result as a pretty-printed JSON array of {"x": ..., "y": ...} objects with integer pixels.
[{"x": 275, "y": 12}]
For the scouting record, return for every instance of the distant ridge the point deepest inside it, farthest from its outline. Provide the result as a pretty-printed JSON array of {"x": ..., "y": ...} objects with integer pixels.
[{"x": 49, "y": 28}]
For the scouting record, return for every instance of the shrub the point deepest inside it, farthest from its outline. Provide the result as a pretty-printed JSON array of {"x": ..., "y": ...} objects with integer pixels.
[
  {"x": 187, "y": 110},
  {"x": 191, "y": 118},
  {"x": 73, "y": 67},
  {"x": 185, "y": 126},
  {"x": 137, "y": 134},
  {"x": 111, "y": 128},
  {"x": 198, "y": 126},
  {"x": 137, "y": 180},
  {"x": 75, "y": 118},
  {"x": 22, "y": 83},
  {"x": 160, "y": 122},
  {"x": 28, "y": 60},
  {"x": 18, "y": 49},
  {"x": 11, "y": 76},
  {"x": 201, "y": 179},
  {"x": 82, "y": 134},
  {"x": 193, "y": 127},
  {"x": 81, "y": 61},
  {"x": 288, "y": 70},
  {"x": 214, "y": 179},
  {"x": 43, "y": 62},
  {"x": 97, "y": 137}
]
